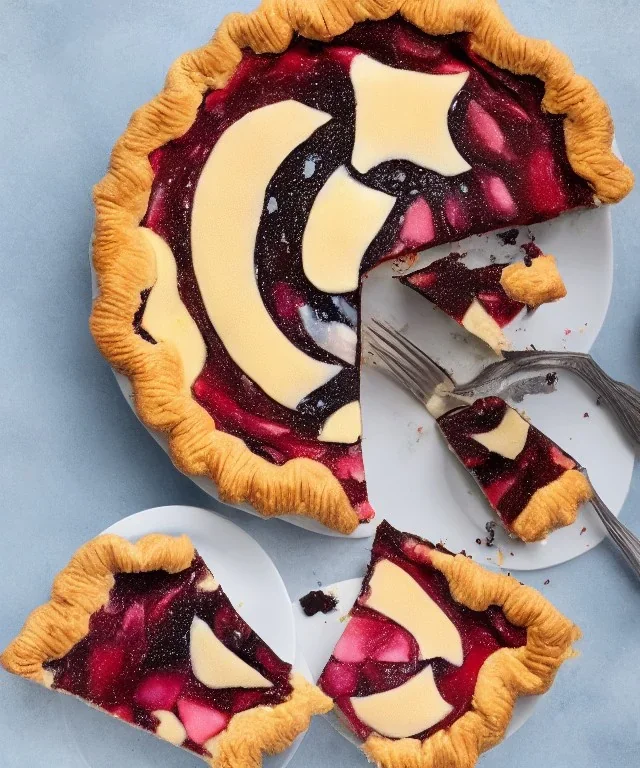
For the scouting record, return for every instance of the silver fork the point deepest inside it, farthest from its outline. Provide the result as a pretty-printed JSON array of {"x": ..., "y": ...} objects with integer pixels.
[{"x": 421, "y": 376}]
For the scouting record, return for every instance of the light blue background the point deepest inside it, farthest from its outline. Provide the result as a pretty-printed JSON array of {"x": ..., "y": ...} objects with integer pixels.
[{"x": 74, "y": 459}]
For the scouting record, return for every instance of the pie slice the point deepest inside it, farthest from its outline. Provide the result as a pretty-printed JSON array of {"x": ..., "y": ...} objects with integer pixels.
[
  {"x": 485, "y": 299},
  {"x": 531, "y": 483},
  {"x": 145, "y": 633},
  {"x": 304, "y": 145},
  {"x": 436, "y": 652}
]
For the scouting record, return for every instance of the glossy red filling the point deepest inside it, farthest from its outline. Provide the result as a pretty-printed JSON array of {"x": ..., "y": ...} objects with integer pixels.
[
  {"x": 452, "y": 287},
  {"x": 135, "y": 659},
  {"x": 508, "y": 484},
  {"x": 520, "y": 174},
  {"x": 375, "y": 654}
]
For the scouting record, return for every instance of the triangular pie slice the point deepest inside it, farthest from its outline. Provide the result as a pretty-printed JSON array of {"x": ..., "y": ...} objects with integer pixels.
[
  {"x": 305, "y": 144},
  {"x": 145, "y": 633},
  {"x": 531, "y": 483},
  {"x": 484, "y": 299},
  {"x": 435, "y": 653}
]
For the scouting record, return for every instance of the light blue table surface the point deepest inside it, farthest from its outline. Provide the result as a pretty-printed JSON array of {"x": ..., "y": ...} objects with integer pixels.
[{"x": 74, "y": 459}]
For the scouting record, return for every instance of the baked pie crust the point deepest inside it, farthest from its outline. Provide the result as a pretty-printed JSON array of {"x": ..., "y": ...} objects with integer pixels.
[
  {"x": 82, "y": 588},
  {"x": 124, "y": 260}
]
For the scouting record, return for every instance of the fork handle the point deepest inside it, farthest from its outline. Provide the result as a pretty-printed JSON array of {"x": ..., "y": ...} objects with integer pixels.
[
  {"x": 623, "y": 399},
  {"x": 627, "y": 542}
]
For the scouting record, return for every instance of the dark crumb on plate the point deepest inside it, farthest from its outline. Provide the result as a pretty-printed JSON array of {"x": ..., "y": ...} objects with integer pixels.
[
  {"x": 318, "y": 602},
  {"x": 511, "y": 553},
  {"x": 552, "y": 378},
  {"x": 491, "y": 530},
  {"x": 478, "y": 541},
  {"x": 548, "y": 581},
  {"x": 492, "y": 259},
  {"x": 584, "y": 530},
  {"x": 509, "y": 237},
  {"x": 585, "y": 415}
]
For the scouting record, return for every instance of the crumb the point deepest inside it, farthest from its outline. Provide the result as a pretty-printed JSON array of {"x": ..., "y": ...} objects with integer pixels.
[
  {"x": 492, "y": 259},
  {"x": 240, "y": 604},
  {"x": 478, "y": 541},
  {"x": 585, "y": 415},
  {"x": 548, "y": 581},
  {"x": 584, "y": 530},
  {"x": 491, "y": 530},
  {"x": 318, "y": 602},
  {"x": 463, "y": 552},
  {"x": 344, "y": 618},
  {"x": 509, "y": 237},
  {"x": 508, "y": 573},
  {"x": 404, "y": 262},
  {"x": 552, "y": 378},
  {"x": 567, "y": 331},
  {"x": 533, "y": 347},
  {"x": 500, "y": 557},
  {"x": 511, "y": 553}
]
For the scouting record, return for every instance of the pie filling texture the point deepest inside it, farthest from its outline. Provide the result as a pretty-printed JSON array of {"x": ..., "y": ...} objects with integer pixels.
[
  {"x": 508, "y": 457},
  {"x": 407, "y": 663},
  {"x": 304, "y": 172},
  {"x": 475, "y": 297},
  {"x": 170, "y": 654}
]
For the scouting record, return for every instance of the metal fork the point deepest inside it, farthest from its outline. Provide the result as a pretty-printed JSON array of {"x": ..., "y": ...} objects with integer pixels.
[
  {"x": 421, "y": 376},
  {"x": 623, "y": 399}
]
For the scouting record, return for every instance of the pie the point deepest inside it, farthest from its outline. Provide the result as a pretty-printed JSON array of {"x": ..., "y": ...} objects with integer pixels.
[
  {"x": 435, "y": 653},
  {"x": 486, "y": 298},
  {"x": 145, "y": 633},
  {"x": 531, "y": 483},
  {"x": 306, "y": 143}
]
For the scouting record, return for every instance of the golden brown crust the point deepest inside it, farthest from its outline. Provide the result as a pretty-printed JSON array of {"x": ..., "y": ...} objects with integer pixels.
[
  {"x": 268, "y": 730},
  {"x": 125, "y": 264},
  {"x": 81, "y": 589},
  {"x": 553, "y": 506},
  {"x": 536, "y": 284},
  {"x": 507, "y": 674}
]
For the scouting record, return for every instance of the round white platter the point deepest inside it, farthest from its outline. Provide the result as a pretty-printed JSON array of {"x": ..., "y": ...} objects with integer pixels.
[
  {"x": 255, "y": 588},
  {"x": 414, "y": 481},
  {"x": 317, "y": 636}
]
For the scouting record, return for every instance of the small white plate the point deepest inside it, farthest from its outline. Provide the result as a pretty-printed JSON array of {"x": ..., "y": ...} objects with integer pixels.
[
  {"x": 318, "y": 635},
  {"x": 254, "y": 586},
  {"x": 413, "y": 480}
]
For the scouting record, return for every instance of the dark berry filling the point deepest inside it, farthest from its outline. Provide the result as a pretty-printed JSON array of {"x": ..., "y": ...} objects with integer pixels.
[
  {"x": 520, "y": 175},
  {"x": 136, "y": 657},
  {"x": 508, "y": 484},
  {"x": 375, "y": 654}
]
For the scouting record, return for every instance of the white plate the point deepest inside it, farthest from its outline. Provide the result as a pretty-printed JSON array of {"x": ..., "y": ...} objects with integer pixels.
[
  {"x": 413, "y": 480},
  {"x": 254, "y": 586},
  {"x": 318, "y": 635}
]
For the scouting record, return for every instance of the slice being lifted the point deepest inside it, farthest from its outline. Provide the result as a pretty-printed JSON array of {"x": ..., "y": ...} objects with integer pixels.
[
  {"x": 145, "y": 632},
  {"x": 485, "y": 299},
  {"x": 531, "y": 483},
  {"x": 436, "y": 652},
  {"x": 308, "y": 142}
]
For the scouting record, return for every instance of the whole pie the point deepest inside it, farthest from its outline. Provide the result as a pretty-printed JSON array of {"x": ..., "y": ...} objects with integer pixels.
[
  {"x": 306, "y": 143},
  {"x": 145, "y": 633},
  {"x": 435, "y": 653}
]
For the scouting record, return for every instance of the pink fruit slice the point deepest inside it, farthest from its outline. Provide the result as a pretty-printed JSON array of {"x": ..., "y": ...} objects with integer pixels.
[
  {"x": 201, "y": 721},
  {"x": 159, "y": 690},
  {"x": 486, "y": 129},
  {"x": 366, "y": 638},
  {"x": 561, "y": 459},
  {"x": 417, "y": 228},
  {"x": 105, "y": 665},
  {"x": 497, "y": 489},
  {"x": 123, "y": 711},
  {"x": 546, "y": 193},
  {"x": 455, "y": 213},
  {"x": 160, "y": 609},
  {"x": 339, "y": 679},
  {"x": 498, "y": 196}
]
